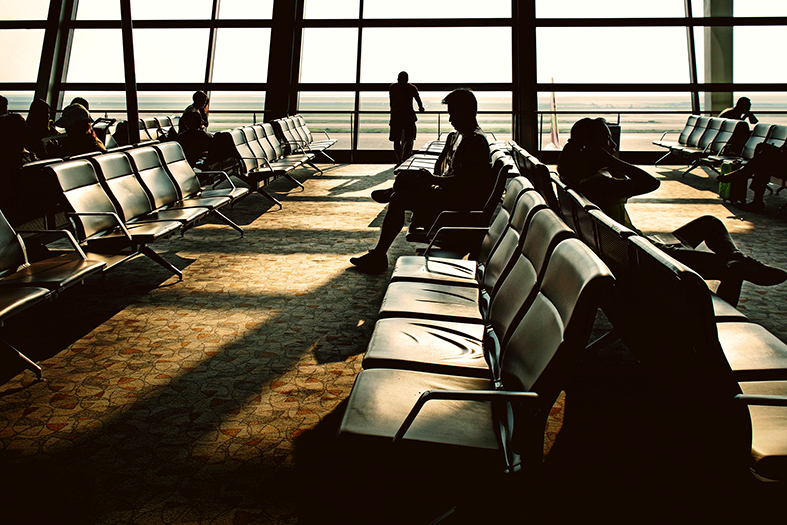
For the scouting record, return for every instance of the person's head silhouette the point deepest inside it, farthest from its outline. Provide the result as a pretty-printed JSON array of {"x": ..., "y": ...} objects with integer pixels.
[
  {"x": 743, "y": 103},
  {"x": 403, "y": 77},
  {"x": 200, "y": 99},
  {"x": 462, "y": 109},
  {"x": 592, "y": 132}
]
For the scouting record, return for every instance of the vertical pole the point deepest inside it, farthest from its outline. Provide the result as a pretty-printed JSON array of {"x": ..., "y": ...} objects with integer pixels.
[
  {"x": 693, "y": 77},
  {"x": 132, "y": 102},
  {"x": 356, "y": 112},
  {"x": 718, "y": 55},
  {"x": 284, "y": 59},
  {"x": 523, "y": 54},
  {"x": 55, "y": 51}
]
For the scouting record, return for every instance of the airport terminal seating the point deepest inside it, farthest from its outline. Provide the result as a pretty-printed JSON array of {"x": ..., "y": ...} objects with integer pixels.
[
  {"x": 717, "y": 342},
  {"x": 295, "y": 135},
  {"x": 25, "y": 283},
  {"x": 258, "y": 156}
]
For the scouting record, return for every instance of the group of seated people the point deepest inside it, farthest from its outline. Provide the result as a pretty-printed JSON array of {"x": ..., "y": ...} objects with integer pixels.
[{"x": 463, "y": 180}]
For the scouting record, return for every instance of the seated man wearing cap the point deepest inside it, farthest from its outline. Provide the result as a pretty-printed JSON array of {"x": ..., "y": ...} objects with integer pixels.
[{"x": 79, "y": 130}]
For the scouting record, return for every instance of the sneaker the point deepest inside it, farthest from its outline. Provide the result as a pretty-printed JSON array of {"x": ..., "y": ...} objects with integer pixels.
[
  {"x": 372, "y": 262},
  {"x": 756, "y": 272},
  {"x": 382, "y": 196}
]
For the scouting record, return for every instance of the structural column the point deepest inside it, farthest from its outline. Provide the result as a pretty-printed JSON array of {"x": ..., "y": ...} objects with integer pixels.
[
  {"x": 524, "y": 75},
  {"x": 718, "y": 55},
  {"x": 284, "y": 59}
]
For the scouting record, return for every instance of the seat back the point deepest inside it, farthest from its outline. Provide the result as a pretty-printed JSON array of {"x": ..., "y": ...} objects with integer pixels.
[
  {"x": 12, "y": 248},
  {"x": 537, "y": 172},
  {"x": 730, "y": 138},
  {"x": 778, "y": 136},
  {"x": 254, "y": 143},
  {"x": 150, "y": 169},
  {"x": 691, "y": 123},
  {"x": 694, "y": 137},
  {"x": 757, "y": 136},
  {"x": 582, "y": 222},
  {"x": 551, "y": 334},
  {"x": 526, "y": 267},
  {"x": 303, "y": 129},
  {"x": 515, "y": 188},
  {"x": 179, "y": 169},
  {"x": 564, "y": 202},
  {"x": 83, "y": 192},
  {"x": 274, "y": 142},
  {"x": 265, "y": 144},
  {"x": 611, "y": 242},
  {"x": 121, "y": 183},
  {"x": 711, "y": 132},
  {"x": 243, "y": 155}
]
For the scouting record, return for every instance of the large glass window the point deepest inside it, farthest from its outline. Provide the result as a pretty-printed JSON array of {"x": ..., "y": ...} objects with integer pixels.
[
  {"x": 171, "y": 9},
  {"x": 21, "y": 64},
  {"x": 609, "y": 9},
  {"x": 245, "y": 10},
  {"x": 233, "y": 64},
  {"x": 98, "y": 10},
  {"x": 329, "y": 55},
  {"x": 437, "y": 9},
  {"x": 27, "y": 10},
  {"x": 232, "y": 109},
  {"x": 750, "y": 63},
  {"x": 612, "y": 55},
  {"x": 170, "y": 55},
  {"x": 96, "y": 56},
  {"x": 331, "y": 9},
  {"x": 442, "y": 54},
  {"x": 18, "y": 101}
]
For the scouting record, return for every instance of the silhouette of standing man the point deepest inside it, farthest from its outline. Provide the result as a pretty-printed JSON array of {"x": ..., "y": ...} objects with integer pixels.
[{"x": 401, "y": 95}]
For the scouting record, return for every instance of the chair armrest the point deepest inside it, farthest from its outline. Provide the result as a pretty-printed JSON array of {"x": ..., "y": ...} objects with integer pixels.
[
  {"x": 762, "y": 400},
  {"x": 451, "y": 218},
  {"x": 437, "y": 234},
  {"x": 663, "y": 135},
  {"x": 103, "y": 214},
  {"x": 326, "y": 134},
  {"x": 64, "y": 233},
  {"x": 460, "y": 395},
  {"x": 224, "y": 173}
]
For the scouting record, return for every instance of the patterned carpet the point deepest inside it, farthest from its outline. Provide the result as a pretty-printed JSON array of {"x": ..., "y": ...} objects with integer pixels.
[{"x": 215, "y": 400}]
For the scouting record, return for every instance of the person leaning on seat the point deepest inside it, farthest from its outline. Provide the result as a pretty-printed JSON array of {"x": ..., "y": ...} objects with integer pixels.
[
  {"x": 200, "y": 104},
  {"x": 741, "y": 111},
  {"x": 587, "y": 165},
  {"x": 462, "y": 181},
  {"x": 80, "y": 137}
]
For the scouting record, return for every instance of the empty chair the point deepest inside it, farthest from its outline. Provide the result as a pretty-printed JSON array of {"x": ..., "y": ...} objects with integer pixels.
[
  {"x": 426, "y": 268},
  {"x": 543, "y": 231},
  {"x": 537, "y": 172},
  {"x": 475, "y": 424}
]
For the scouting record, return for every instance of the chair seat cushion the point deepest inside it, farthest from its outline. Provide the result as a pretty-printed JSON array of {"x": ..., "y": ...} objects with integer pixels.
[
  {"x": 769, "y": 431},
  {"x": 429, "y": 346},
  {"x": 54, "y": 273},
  {"x": 753, "y": 352},
  {"x": 431, "y": 301},
  {"x": 381, "y": 399},
  {"x": 724, "y": 311},
  {"x": 435, "y": 269},
  {"x": 143, "y": 233},
  {"x": 14, "y": 300}
]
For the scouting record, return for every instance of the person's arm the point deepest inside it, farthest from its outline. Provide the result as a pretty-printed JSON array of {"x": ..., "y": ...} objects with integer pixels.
[
  {"x": 471, "y": 165},
  {"x": 418, "y": 101},
  {"x": 752, "y": 118},
  {"x": 642, "y": 182},
  {"x": 632, "y": 180}
]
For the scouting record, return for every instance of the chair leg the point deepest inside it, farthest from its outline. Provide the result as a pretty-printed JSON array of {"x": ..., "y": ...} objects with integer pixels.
[
  {"x": 310, "y": 163},
  {"x": 268, "y": 195},
  {"x": 293, "y": 179},
  {"x": 160, "y": 260},
  {"x": 691, "y": 167},
  {"x": 226, "y": 220},
  {"x": 662, "y": 158},
  {"x": 29, "y": 362},
  {"x": 328, "y": 157}
]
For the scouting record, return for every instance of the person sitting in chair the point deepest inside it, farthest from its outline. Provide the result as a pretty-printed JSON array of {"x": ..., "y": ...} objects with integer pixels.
[
  {"x": 462, "y": 181},
  {"x": 587, "y": 165}
]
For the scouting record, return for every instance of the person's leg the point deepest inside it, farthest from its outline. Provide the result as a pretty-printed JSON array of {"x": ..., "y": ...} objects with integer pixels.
[
  {"x": 712, "y": 232},
  {"x": 376, "y": 261}
]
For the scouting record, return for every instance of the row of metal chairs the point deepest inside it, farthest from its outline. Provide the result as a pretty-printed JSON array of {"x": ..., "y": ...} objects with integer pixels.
[
  {"x": 467, "y": 359},
  {"x": 690, "y": 339},
  {"x": 710, "y": 141}
]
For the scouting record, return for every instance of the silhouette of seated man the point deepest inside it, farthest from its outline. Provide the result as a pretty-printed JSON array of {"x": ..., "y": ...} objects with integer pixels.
[
  {"x": 740, "y": 111},
  {"x": 195, "y": 141},
  {"x": 403, "y": 129},
  {"x": 462, "y": 180},
  {"x": 3, "y": 105},
  {"x": 200, "y": 102},
  {"x": 587, "y": 165}
]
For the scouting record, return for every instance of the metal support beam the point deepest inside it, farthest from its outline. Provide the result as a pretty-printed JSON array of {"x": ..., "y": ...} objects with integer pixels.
[
  {"x": 284, "y": 58},
  {"x": 55, "y": 51},
  {"x": 523, "y": 54},
  {"x": 132, "y": 101}
]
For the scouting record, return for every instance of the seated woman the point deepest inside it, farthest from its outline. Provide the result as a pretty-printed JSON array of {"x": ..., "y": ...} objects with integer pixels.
[{"x": 587, "y": 165}]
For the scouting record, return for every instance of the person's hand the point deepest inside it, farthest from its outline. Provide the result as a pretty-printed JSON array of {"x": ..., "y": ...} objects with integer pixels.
[{"x": 421, "y": 109}]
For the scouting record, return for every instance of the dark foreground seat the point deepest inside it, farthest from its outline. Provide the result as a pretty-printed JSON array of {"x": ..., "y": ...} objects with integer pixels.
[
  {"x": 24, "y": 283},
  {"x": 472, "y": 425}
]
